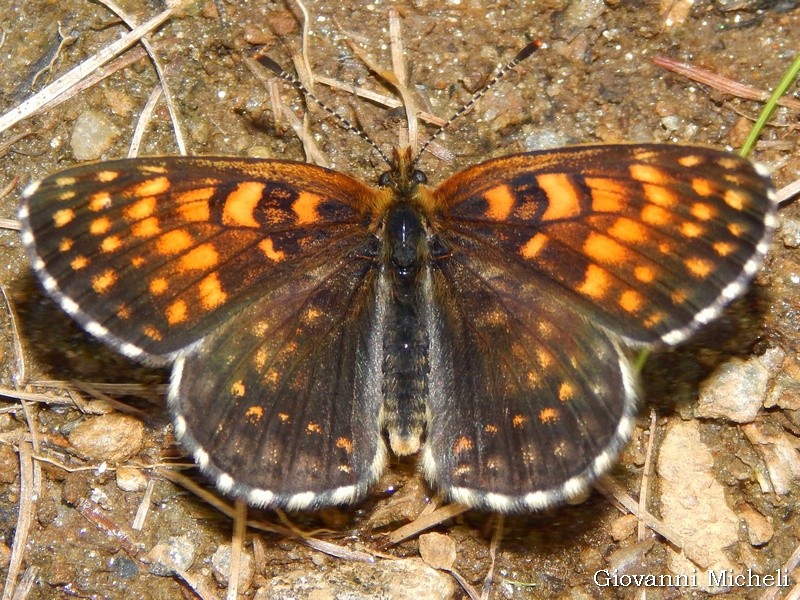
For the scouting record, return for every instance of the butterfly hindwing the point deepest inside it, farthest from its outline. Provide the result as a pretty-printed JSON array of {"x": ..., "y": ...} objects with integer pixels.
[
  {"x": 150, "y": 255},
  {"x": 282, "y": 405},
  {"x": 530, "y": 399}
]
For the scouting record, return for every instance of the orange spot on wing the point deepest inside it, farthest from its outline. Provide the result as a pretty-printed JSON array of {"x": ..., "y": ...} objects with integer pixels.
[
  {"x": 176, "y": 312},
  {"x": 99, "y": 201},
  {"x": 147, "y": 228},
  {"x": 345, "y": 444},
  {"x": 698, "y": 267},
  {"x": 691, "y": 160},
  {"x": 152, "y": 333},
  {"x": 241, "y": 203},
  {"x": 462, "y": 444},
  {"x": 267, "y": 246},
  {"x": 735, "y": 199},
  {"x": 99, "y": 226},
  {"x": 607, "y": 195},
  {"x": 198, "y": 259},
  {"x": 518, "y": 421},
  {"x": 106, "y": 176},
  {"x": 628, "y": 230},
  {"x": 195, "y": 212},
  {"x": 604, "y": 249},
  {"x": 644, "y": 274},
  {"x": 313, "y": 428},
  {"x": 533, "y": 246},
  {"x": 158, "y": 286},
  {"x": 151, "y": 187},
  {"x": 566, "y": 391},
  {"x": 78, "y": 263},
  {"x": 141, "y": 209},
  {"x": 655, "y": 215},
  {"x": 254, "y": 414},
  {"x": 563, "y": 200},
  {"x": 648, "y": 174},
  {"x": 111, "y": 243},
  {"x": 63, "y": 216},
  {"x": 237, "y": 389},
  {"x": 211, "y": 292},
  {"x": 723, "y": 248},
  {"x": 702, "y": 187},
  {"x": 65, "y": 245},
  {"x": 500, "y": 201},
  {"x": 102, "y": 282},
  {"x": 548, "y": 415},
  {"x": 702, "y": 211},
  {"x": 595, "y": 282},
  {"x": 692, "y": 230},
  {"x": 198, "y": 195},
  {"x": 631, "y": 301},
  {"x": 305, "y": 207},
  {"x": 174, "y": 242},
  {"x": 660, "y": 196}
]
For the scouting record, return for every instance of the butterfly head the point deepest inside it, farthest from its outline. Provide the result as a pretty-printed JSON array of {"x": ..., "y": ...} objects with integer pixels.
[{"x": 402, "y": 177}]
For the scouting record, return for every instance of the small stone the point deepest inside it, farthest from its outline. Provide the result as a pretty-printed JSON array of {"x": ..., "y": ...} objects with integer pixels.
[
  {"x": 759, "y": 529},
  {"x": 693, "y": 501},
  {"x": 734, "y": 392},
  {"x": 437, "y": 550},
  {"x": 623, "y": 527},
  {"x": 177, "y": 553},
  {"x": 131, "y": 479},
  {"x": 92, "y": 135},
  {"x": 113, "y": 438},
  {"x": 221, "y": 565}
]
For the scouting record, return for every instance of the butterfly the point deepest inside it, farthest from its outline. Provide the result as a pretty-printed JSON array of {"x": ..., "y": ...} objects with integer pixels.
[{"x": 314, "y": 322}]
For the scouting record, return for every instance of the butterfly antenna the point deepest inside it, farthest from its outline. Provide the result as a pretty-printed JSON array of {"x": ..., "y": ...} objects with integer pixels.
[
  {"x": 521, "y": 55},
  {"x": 270, "y": 64}
]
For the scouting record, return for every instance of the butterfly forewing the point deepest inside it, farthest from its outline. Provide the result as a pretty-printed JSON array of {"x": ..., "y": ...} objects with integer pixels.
[
  {"x": 652, "y": 239},
  {"x": 152, "y": 254}
]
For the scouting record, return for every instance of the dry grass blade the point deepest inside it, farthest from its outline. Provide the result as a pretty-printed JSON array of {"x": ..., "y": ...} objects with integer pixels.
[
  {"x": 789, "y": 191},
  {"x": 144, "y": 506},
  {"x": 376, "y": 97},
  {"x": 497, "y": 536},
  {"x": 81, "y": 71},
  {"x": 27, "y": 493},
  {"x": 426, "y": 522},
  {"x": 644, "y": 486},
  {"x": 237, "y": 544},
  {"x": 144, "y": 120},
  {"x": 718, "y": 82}
]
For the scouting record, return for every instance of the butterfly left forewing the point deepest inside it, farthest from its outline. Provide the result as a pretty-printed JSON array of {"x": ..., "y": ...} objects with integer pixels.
[{"x": 151, "y": 254}]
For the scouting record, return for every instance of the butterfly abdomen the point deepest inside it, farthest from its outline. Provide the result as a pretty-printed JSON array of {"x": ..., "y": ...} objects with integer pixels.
[{"x": 405, "y": 342}]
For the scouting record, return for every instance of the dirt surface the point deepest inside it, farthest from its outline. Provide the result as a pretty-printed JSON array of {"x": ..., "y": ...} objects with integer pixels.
[{"x": 595, "y": 82}]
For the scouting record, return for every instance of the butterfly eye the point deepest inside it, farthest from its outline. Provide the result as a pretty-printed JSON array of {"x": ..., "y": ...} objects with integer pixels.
[
  {"x": 385, "y": 180},
  {"x": 418, "y": 176}
]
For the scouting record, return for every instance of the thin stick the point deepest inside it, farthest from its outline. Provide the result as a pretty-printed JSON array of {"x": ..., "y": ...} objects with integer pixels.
[
  {"x": 24, "y": 519},
  {"x": 144, "y": 120}
]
